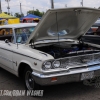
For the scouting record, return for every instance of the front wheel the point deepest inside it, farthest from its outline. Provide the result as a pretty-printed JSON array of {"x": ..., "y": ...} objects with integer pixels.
[{"x": 29, "y": 81}]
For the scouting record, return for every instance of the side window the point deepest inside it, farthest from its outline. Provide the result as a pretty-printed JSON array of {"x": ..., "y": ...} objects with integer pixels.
[
  {"x": 6, "y": 33},
  {"x": 22, "y": 34}
]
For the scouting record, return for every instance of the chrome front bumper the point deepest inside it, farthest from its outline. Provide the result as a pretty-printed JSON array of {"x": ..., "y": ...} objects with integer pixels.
[{"x": 72, "y": 75}]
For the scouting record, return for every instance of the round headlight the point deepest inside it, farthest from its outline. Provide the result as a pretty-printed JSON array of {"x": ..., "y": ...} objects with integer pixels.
[
  {"x": 47, "y": 65},
  {"x": 56, "y": 64}
]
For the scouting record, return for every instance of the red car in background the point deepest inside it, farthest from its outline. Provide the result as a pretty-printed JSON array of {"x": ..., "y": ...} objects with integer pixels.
[
  {"x": 95, "y": 25},
  {"x": 30, "y": 20},
  {"x": 93, "y": 35}
]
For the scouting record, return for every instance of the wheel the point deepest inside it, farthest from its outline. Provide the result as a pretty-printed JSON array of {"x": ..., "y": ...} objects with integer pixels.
[{"x": 29, "y": 81}]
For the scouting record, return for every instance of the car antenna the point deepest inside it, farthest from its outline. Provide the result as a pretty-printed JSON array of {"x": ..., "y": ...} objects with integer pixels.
[
  {"x": 17, "y": 42},
  {"x": 57, "y": 30}
]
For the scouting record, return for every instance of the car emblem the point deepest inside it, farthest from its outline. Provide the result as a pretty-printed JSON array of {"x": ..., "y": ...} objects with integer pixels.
[{"x": 84, "y": 60}]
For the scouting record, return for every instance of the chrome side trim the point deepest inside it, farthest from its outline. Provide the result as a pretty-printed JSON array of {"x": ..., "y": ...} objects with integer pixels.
[
  {"x": 20, "y": 54},
  {"x": 5, "y": 58}
]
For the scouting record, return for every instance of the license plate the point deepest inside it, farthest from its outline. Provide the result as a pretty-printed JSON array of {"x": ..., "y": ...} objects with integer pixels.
[{"x": 87, "y": 75}]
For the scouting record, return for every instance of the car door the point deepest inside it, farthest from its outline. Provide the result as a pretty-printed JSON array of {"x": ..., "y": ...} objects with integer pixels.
[{"x": 6, "y": 48}]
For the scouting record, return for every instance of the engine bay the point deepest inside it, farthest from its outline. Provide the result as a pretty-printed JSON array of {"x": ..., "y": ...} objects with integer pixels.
[{"x": 59, "y": 50}]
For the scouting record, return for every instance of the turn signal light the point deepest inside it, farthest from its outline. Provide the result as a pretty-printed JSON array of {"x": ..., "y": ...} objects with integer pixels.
[{"x": 53, "y": 79}]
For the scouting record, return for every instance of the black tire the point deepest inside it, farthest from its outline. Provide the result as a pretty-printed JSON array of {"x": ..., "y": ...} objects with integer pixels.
[{"x": 29, "y": 81}]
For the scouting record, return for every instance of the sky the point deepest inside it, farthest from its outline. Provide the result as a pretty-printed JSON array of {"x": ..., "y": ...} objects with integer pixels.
[{"x": 44, "y": 5}]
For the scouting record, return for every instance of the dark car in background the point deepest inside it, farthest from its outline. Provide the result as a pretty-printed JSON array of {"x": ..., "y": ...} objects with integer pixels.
[
  {"x": 90, "y": 32},
  {"x": 95, "y": 25},
  {"x": 93, "y": 36}
]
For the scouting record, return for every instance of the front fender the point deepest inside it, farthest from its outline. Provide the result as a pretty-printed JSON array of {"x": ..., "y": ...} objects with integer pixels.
[{"x": 26, "y": 62}]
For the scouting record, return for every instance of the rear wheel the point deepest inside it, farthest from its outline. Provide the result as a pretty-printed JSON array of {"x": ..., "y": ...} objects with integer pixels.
[{"x": 29, "y": 80}]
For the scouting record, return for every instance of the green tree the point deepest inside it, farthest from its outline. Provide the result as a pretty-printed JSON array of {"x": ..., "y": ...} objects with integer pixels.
[
  {"x": 5, "y": 12},
  {"x": 18, "y": 15},
  {"x": 35, "y": 12}
]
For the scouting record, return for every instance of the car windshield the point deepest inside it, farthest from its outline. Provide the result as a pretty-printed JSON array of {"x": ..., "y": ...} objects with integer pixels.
[{"x": 22, "y": 34}]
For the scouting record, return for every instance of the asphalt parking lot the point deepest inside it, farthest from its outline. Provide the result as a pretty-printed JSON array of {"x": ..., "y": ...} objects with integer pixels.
[{"x": 69, "y": 91}]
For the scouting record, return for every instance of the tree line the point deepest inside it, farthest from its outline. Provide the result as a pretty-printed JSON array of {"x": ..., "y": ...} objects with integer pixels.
[{"x": 35, "y": 12}]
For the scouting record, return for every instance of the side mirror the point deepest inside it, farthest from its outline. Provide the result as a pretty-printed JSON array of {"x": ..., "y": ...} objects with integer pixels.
[{"x": 6, "y": 41}]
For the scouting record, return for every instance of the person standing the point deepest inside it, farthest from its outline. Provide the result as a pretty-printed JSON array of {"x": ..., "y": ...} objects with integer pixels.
[{"x": 6, "y": 22}]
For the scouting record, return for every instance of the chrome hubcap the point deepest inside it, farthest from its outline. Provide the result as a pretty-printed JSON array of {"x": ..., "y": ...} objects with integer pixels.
[{"x": 29, "y": 81}]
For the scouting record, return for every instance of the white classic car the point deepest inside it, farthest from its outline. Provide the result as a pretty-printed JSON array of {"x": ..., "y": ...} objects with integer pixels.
[{"x": 51, "y": 52}]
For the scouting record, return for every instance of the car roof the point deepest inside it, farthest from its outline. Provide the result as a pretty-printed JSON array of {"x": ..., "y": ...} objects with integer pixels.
[{"x": 18, "y": 25}]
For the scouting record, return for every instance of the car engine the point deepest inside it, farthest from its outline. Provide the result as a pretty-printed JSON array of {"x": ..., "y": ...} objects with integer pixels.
[{"x": 58, "y": 50}]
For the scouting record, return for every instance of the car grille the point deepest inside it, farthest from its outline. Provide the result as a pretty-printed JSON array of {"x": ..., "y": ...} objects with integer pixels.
[{"x": 81, "y": 60}]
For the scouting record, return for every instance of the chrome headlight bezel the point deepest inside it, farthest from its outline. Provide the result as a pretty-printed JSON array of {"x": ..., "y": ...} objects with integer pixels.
[
  {"x": 47, "y": 67},
  {"x": 55, "y": 64}
]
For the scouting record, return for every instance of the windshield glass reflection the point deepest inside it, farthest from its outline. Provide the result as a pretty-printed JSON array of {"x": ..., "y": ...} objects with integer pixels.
[{"x": 22, "y": 34}]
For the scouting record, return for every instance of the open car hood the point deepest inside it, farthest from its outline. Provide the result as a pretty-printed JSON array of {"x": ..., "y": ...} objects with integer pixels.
[{"x": 67, "y": 23}]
